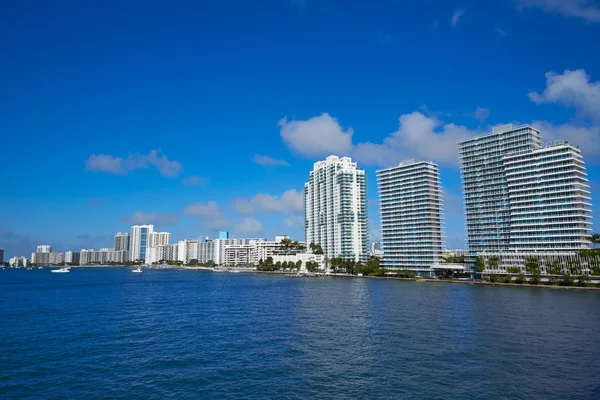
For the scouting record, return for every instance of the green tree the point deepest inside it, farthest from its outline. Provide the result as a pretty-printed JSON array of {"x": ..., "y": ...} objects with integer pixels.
[
  {"x": 532, "y": 265},
  {"x": 513, "y": 270},
  {"x": 494, "y": 262},
  {"x": 595, "y": 239},
  {"x": 480, "y": 264},
  {"x": 316, "y": 248},
  {"x": 311, "y": 266},
  {"x": 298, "y": 265},
  {"x": 583, "y": 280},
  {"x": 567, "y": 280},
  {"x": 554, "y": 268}
]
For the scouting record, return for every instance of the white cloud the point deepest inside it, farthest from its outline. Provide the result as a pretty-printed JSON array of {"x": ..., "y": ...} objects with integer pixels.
[
  {"x": 481, "y": 114},
  {"x": 317, "y": 136},
  {"x": 193, "y": 180},
  {"x": 155, "y": 218},
  {"x": 290, "y": 201},
  {"x": 249, "y": 225},
  {"x": 586, "y": 9},
  {"x": 586, "y": 138},
  {"x": 293, "y": 221},
  {"x": 418, "y": 136},
  {"x": 267, "y": 161},
  {"x": 204, "y": 210},
  {"x": 571, "y": 89},
  {"x": 209, "y": 213},
  {"x": 456, "y": 17},
  {"x": 121, "y": 166}
]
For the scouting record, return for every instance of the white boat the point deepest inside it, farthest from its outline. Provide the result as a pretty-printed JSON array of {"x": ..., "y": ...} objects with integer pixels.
[
  {"x": 138, "y": 270},
  {"x": 61, "y": 270},
  {"x": 40, "y": 267}
]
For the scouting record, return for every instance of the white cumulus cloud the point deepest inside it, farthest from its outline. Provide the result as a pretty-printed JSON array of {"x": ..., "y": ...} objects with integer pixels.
[
  {"x": 121, "y": 166},
  {"x": 290, "y": 201},
  {"x": 249, "y": 225},
  {"x": 418, "y": 136},
  {"x": 316, "y": 137},
  {"x": 571, "y": 89},
  {"x": 154, "y": 218}
]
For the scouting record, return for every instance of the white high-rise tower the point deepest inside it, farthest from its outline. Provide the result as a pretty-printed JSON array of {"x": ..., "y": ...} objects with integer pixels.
[
  {"x": 335, "y": 208},
  {"x": 138, "y": 241},
  {"x": 410, "y": 198},
  {"x": 522, "y": 195}
]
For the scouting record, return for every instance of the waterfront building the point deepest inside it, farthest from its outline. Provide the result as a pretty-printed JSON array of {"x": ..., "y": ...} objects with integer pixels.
[
  {"x": 304, "y": 258},
  {"x": 122, "y": 241},
  {"x": 159, "y": 239},
  {"x": 48, "y": 258},
  {"x": 167, "y": 252},
  {"x": 262, "y": 249},
  {"x": 44, "y": 248},
  {"x": 549, "y": 199},
  {"x": 138, "y": 241},
  {"x": 237, "y": 254},
  {"x": 1, "y": 256},
  {"x": 335, "y": 208},
  {"x": 206, "y": 251},
  {"x": 18, "y": 261},
  {"x": 411, "y": 207},
  {"x": 560, "y": 261},
  {"x": 187, "y": 250},
  {"x": 33, "y": 260},
  {"x": 522, "y": 195},
  {"x": 72, "y": 257},
  {"x": 103, "y": 256}
]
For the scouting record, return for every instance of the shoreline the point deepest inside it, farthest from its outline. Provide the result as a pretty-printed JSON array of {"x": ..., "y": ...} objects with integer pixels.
[{"x": 339, "y": 275}]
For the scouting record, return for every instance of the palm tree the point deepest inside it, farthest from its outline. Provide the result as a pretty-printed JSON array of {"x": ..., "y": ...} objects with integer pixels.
[{"x": 595, "y": 239}]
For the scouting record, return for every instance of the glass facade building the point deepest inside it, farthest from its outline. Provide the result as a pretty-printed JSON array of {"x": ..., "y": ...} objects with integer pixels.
[{"x": 411, "y": 206}]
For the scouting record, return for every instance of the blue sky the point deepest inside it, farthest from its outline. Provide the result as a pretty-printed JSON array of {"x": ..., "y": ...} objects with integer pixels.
[{"x": 202, "y": 116}]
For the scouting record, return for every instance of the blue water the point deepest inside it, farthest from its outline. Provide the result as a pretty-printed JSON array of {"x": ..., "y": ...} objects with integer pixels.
[{"x": 110, "y": 333}]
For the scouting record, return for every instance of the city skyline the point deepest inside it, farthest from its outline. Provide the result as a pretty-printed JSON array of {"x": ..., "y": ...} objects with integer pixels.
[{"x": 255, "y": 127}]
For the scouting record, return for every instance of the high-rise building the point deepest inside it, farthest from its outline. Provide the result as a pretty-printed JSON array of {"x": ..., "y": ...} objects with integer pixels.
[
  {"x": 549, "y": 199},
  {"x": 187, "y": 250},
  {"x": 224, "y": 235},
  {"x": 411, "y": 204},
  {"x": 51, "y": 258},
  {"x": 44, "y": 248},
  {"x": 485, "y": 190},
  {"x": 159, "y": 239},
  {"x": 1, "y": 256},
  {"x": 122, "y": 241},
  {"x": 335, "y": 208},
  {"x": 521, "y": 195},
  {"x": 138, "y": 241},
  {"x": 72, "y": 257}
]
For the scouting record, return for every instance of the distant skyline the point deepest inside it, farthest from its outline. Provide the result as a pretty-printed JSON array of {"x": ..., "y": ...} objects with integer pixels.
[{"x": 208, "y": 116}]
